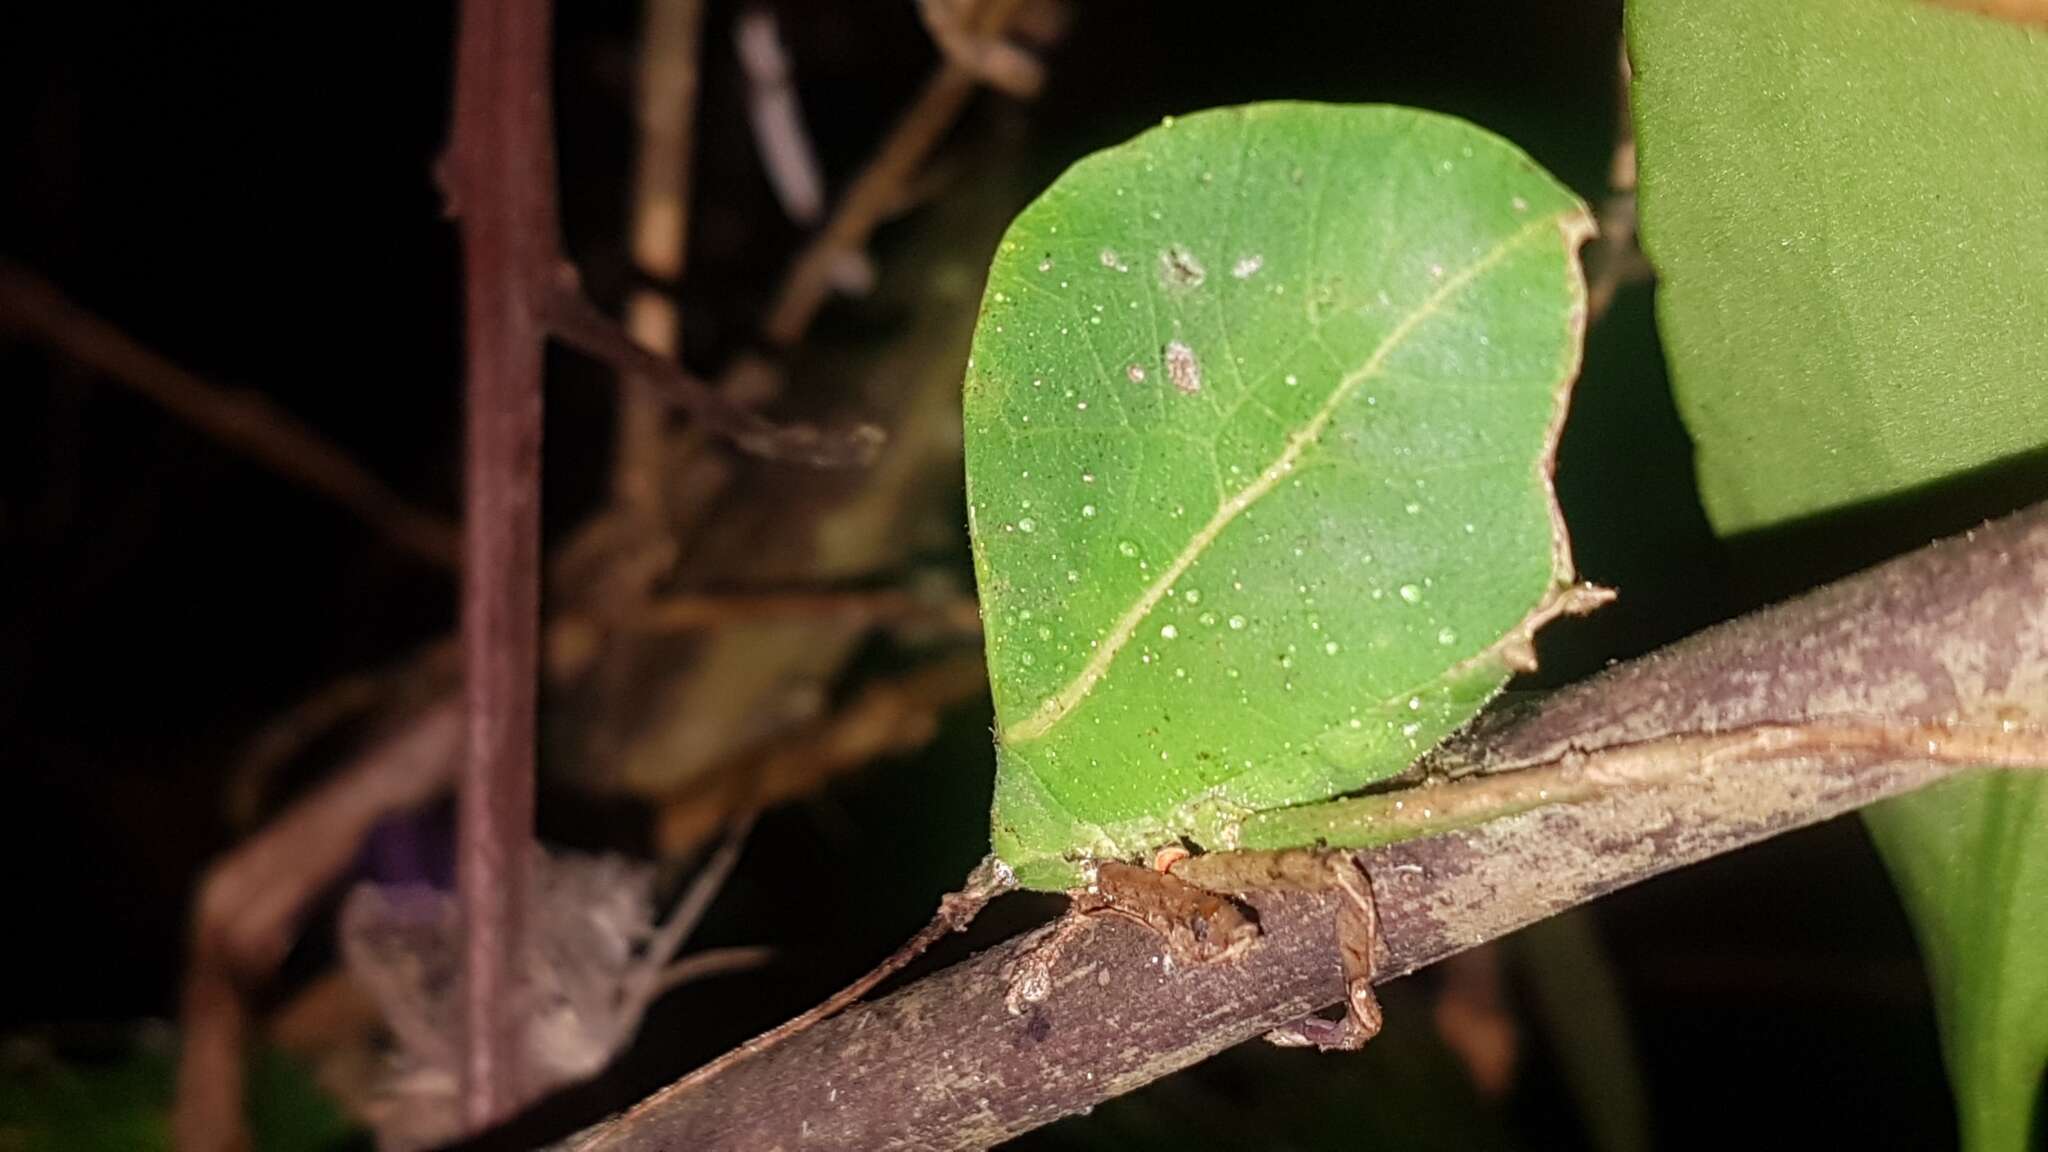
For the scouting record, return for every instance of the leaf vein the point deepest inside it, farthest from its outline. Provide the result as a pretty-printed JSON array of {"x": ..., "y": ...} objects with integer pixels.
[{"x": 1059, "y": 705}]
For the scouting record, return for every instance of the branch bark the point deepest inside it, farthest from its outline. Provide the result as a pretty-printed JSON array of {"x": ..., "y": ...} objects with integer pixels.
[{"x": 1910, "y": 673}]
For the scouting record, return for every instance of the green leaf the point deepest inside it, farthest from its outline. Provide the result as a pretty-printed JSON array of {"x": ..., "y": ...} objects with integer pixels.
[
  {"x": 1971, "y": 861},
  {"x": 1844, "y": 200},
  {"x": 1259, "y": 419},
  {"x": 121, "y": 1100}
]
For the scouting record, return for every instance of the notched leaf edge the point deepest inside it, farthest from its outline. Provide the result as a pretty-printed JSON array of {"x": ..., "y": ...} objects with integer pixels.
[
  {"x": 1516, "y": 649},
  {"x": 1567, "y": 595}
]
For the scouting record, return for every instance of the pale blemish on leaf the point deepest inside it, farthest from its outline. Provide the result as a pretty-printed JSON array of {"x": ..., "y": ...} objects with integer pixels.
[
  {"x": 1186, "y": 373},
  {"x": 1182, "y": 368}
]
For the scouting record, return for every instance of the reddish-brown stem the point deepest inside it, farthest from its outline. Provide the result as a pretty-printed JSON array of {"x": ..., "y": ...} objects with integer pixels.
[{"x": 500, "y": 178}]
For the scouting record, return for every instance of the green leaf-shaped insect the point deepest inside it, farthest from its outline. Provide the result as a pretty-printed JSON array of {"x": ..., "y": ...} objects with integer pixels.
[
  {"x": 1259, "y": 426},
  {"x": 1259, "y": 419}
]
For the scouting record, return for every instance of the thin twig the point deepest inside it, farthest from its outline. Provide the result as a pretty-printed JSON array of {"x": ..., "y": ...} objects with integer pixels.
[
  {"x": 656, "y": 975},
  {"x": 243, "y": 421},
  {"x": 1615, "y": 258},
  {"x": 569, "y": 641},
  {"x": 995, "y": 61},
  {"x": 988, "y": 880},
  {"x": 885, "y": 718},
  {"x": 1793, "y": 715},
  {"x": 616, "y": 559},
  {"x": 1475, "y": 1022},
  {"x": 878, "y": 189},
  {"x": 780, "y": 138},
  {"x": 878, "y": 608},
  {"x": 579, "y": 323},
  {"x": 884, "y": 184},
  {"x": 671, "y": 31},
  {"x": 286, "y": 736},
  {"x": 711, "y": 962}
]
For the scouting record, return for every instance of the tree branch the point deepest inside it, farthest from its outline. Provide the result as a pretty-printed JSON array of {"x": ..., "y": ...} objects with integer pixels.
[{"x": 1888, "y": 681}]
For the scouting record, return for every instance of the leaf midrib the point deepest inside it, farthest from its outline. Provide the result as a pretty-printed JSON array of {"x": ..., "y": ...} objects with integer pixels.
[{"x": 1055, "y": 708}]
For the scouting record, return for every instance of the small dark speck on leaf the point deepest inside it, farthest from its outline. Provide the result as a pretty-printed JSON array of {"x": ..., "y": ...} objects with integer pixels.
[{"x": 1178, "y": 268}]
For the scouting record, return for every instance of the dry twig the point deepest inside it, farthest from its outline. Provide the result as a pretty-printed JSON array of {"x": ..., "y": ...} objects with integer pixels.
[
  {"x": 667, "y": 111},
  {"x": 879, "y": 187},
  {"x": 993, "y": 60},
  {"x": 885, "y": 718},
  {"x": 879, "y": 608},
  {"x": 780, "y": 138},
  {"x": 244, "y": 421},
  {"x": 1615, "y": 259},
  {"x": 580, "y": 324}
]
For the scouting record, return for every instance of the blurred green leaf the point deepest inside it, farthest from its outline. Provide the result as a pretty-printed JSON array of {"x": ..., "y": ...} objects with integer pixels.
[
  {"x": 1258, "y": 423},
  {"x": 1845, "y": 201},
  {"x": 54, "y": 1101},
  {"x": 48, "y": 1104},
  {"x": 1971, "y": 859},
  {"x": 1576, "y": 996}
]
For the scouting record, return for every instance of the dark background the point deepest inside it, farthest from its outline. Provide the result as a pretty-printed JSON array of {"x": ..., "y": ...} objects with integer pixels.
[{"x": 249, "y": 191}]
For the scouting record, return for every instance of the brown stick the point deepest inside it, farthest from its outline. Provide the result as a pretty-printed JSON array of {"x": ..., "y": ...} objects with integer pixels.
[
  {"x": 887, "y": 717},
  {"x": 1615, "y": 258},
  {"x": 688, "y": 612},
  {"x": 500, "y": 175},
  {"x": 995, "y": 61},
  {"x": 1716, "y": 742},
  {"x": 244, "y": 421},
  {"x": 582, "y": 325},
  {"x": 884, "y": 184},
  {"x": 671, "y": 34},
  {"x": 247, "y": 911}
]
